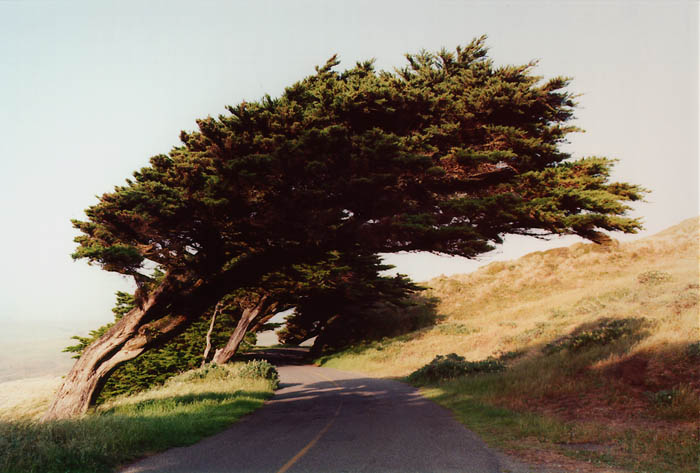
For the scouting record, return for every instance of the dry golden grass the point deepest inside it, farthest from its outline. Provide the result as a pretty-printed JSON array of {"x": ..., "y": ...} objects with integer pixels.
[
  {"x": 27, "y": 399},
  {"x": 527, "y": 303}
]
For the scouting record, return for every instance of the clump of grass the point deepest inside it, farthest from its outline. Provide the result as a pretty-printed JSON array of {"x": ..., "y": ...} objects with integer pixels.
[
  {"x": 455, "y": 329},
  {"x": 184, "y": 410},
  {"x": 653, "y": 278},
  {"x": 453, "y": 366}
]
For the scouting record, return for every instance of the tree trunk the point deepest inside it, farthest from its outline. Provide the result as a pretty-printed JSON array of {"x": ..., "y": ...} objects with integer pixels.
[
  {"x": 165, "y": 313},
  {"x": 211, "y": 329},
  {"x": 143, "y": 327},
  {"x": 259, "y": 324},
  {"x": 250, "y": 312}
]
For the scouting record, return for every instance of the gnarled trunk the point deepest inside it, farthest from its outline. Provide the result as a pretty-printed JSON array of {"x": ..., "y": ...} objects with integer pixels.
[
  {"x": 165, "y": 313},
  {"x": 144, "y": 326},
  {"x": 250, "y": 311}
]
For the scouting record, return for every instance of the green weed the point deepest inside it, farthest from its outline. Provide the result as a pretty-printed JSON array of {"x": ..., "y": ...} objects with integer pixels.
[{"x": 455, "y": 329}]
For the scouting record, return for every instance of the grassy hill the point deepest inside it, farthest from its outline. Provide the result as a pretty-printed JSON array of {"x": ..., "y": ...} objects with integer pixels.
[{"x": 600, "y": 344}]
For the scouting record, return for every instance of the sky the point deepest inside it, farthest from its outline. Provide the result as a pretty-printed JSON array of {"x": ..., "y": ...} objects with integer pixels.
[{"x": 90, "y": 90}]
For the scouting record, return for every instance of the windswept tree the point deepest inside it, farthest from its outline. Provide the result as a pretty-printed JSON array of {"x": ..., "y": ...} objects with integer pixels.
[{"x": 447, "y": 154}]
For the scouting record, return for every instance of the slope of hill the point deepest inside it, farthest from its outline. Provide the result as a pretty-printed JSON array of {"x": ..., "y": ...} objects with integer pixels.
[
  {"x": 29, "y": 351},
  {"x": 590, "y": 335}
]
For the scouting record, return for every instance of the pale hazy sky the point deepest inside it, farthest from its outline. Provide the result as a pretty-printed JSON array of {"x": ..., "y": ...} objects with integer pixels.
[{"x": 90, "y": 90}]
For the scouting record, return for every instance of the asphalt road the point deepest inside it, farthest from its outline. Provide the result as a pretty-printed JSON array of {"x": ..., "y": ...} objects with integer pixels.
[{"x": 325, "y": 420}]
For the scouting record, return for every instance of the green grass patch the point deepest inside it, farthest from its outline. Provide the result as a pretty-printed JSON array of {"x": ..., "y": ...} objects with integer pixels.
[{"x": 189, "y": 407}]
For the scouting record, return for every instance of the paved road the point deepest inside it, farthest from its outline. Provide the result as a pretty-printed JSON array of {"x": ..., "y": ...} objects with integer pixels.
[{"x": 325, "y": 420}]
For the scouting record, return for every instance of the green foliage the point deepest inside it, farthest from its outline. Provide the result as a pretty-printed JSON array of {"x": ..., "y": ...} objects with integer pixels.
[
  {"x": 346, "y": 300},
  {"x": 603, "y": 333},
  {"x": 455, "y": 329},
  {"x": 254, "y": 369},
  {"x": 260, "y": 369},
  {"x": 446, "y": 154},
  {"x": 373, "y": 320},
  {"x": 452, "y": 366}
]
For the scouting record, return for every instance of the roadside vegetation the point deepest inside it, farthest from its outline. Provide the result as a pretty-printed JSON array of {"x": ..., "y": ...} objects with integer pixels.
[
  {"x": 186, "y": 408},
  {"x": 585, "y": 357}
]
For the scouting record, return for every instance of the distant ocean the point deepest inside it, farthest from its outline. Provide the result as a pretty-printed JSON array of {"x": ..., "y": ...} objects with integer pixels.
[{"x": 30, "y": 351}]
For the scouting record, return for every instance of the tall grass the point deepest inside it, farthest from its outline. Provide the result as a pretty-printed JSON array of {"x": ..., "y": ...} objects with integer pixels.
[{"x": 184, "y": 410}]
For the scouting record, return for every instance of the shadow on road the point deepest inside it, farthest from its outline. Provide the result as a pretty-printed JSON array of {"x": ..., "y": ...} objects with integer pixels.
[{"x": 279, "y": 356}]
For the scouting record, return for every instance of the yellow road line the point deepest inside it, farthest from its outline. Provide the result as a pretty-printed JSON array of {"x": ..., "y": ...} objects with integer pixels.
[{"x": 313, "y": 441}]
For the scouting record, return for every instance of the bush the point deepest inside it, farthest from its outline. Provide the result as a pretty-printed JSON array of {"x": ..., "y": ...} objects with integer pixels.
[
  {"x": 260, "y": 369},
  {"x": 604, "y": 333},
  {"x": 209, "y": 372},
  {"x": 453, "y": 366}
]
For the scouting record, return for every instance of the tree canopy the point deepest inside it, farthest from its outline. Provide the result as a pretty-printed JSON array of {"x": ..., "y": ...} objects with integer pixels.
[{"x": 446, "y": 154}]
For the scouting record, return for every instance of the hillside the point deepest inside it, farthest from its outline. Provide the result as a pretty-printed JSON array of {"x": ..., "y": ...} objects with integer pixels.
[{"x": 589, "y": 334}]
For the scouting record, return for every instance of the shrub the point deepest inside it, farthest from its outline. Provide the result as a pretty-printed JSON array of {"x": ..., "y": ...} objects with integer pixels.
[
  {"x": 209, "y": 372},
  {"x": 260, "y": 369},
  {"x": 453, "y": 366},
  {"x": 606, "y": 332}
]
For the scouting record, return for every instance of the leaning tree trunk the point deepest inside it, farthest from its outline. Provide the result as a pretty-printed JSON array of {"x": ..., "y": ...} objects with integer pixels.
[
  {"x": 165, "y": 313},
  {"x": 250, "y": 311},
  {"x": 143, "y": 327}
]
